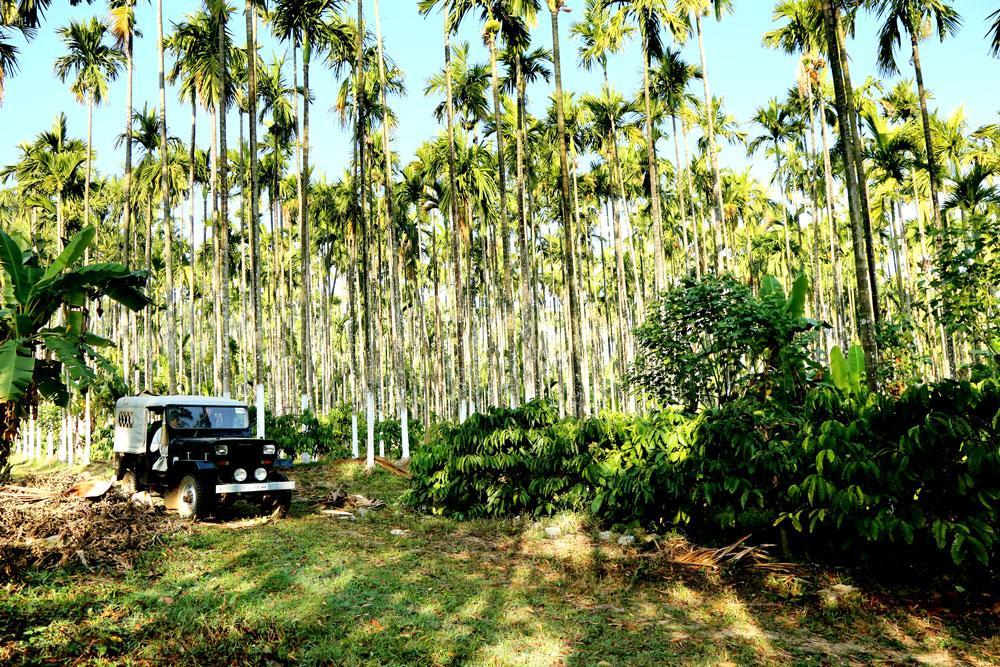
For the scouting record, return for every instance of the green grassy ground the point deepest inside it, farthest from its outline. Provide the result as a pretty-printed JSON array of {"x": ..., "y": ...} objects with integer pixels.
[{"x": 314, "y": 589}]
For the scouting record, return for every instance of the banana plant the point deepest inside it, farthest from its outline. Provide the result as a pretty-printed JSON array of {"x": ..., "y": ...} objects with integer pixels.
[
  {"x": 45, "y": 348},
  {"x": 848, "y": 372}
]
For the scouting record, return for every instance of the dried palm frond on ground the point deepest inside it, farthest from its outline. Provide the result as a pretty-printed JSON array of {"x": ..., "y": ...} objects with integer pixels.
[
  {"x": 339, "y": 503},
  {"x": 42, "y": 527},
  {"x": 737, "y": 556},
  {"x": 396, "y": 469}
]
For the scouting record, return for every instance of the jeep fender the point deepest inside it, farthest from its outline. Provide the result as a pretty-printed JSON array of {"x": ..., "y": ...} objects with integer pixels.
[{"x": 205, "y": 470}]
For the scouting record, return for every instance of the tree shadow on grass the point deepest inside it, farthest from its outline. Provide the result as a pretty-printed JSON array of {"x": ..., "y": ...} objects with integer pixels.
[{"x": 316, "y": 590}]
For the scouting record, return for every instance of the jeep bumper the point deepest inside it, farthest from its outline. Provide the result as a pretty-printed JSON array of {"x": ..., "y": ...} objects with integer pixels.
[{"x": 254, "y": 487}]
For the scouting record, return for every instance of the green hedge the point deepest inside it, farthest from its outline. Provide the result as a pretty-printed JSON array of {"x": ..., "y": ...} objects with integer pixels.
[{"x": 868, "y": 476}]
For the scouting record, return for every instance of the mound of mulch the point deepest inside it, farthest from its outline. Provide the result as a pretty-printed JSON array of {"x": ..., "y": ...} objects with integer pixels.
[{"x": 42, "y": 526}]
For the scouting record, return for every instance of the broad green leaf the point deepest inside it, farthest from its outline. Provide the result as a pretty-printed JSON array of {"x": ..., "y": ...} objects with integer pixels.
[
  {"x": 856, "y": 368},
  {"x": 70, "y": 355},
  {"x": 48, "y": 376},
  {"x": 12, "y": 260},
  {"x": 17, "y": 365},
  {"x": 70, "y": 255},
  {"x": 130, "y": 297},
  {"x": 771, "y": 286},
  {"x": 797, "y": 297},
  {"x": 838, "y": 371}
]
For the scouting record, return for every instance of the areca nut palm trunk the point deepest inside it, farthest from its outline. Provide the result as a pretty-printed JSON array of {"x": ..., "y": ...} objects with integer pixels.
[
  {"x": 191, "y": 206},
  {"x": 654, "y": 180},
  {"x": 258, "y": 322},
  {"x": 508, "y": 296},
  {"x": 454, "y": 214},
  {"x": 859, "y": 167},
  {"x": 569, "y": 240},
  {"x": 844, "y": 107},
  {"x": 395, "y": 274},
  {"x": 713, "y": 154},
  {"x": 223, "y": 227},
  {"x": 365, "y": 283},
  {"x": 126, "y": 314},
  {"x": 170, "y": 333},
  {"x": 305, "y": 245},
  {"x": 528, "y": 314}
]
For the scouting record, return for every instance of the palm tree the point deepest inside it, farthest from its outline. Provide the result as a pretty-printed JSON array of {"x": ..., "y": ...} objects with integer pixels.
[
  {"x": 524, "y": 67},
  {"x": 395, "y": 273},
  {"x": 250, "y": 15},
  {"x": 50, "y": 167},
  {"x": 613, "y": 117},
  {"x": 122, "y": 26},
  {"x": 197, "y": 67},
  {"x": 92, "y": 63},
  {"x": 170, "y": 334},
  {"x": 911, "y": 16},
  {"x": 501, "y": 19},
  {"x": 844, "y": 106},
  {"x": 426, "y": 6},
  {"x": 697, "y": 9},
  {"x": 567, "y": 215},
  {"x": 302, "y": 23},
  {"x": 649, "y": 15},
  {"x": 779, "y": 126},
  {"x": 993, "y": 35},
  {"x": 669, "y": 84}
]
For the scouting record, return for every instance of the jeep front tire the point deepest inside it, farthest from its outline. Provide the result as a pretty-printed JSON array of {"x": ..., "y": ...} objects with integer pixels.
[{"x": 194, "y": 499}]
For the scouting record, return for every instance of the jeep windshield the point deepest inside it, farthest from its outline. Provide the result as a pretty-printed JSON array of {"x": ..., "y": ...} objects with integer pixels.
[{"x": 190, "y": 417}]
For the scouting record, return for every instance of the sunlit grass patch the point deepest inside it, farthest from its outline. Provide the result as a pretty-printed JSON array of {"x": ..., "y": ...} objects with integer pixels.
[{"x": 313, "y": 589}]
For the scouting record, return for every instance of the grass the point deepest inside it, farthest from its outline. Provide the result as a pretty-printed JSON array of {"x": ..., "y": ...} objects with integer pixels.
[{"x": 314, "y": 589}]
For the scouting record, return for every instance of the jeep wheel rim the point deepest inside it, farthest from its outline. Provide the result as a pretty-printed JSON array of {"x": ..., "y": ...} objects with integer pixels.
[{"x": 188, "y": 496}]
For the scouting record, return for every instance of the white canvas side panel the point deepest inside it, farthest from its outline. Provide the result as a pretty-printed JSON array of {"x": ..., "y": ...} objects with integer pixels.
[{"x": 130, "y": 431}]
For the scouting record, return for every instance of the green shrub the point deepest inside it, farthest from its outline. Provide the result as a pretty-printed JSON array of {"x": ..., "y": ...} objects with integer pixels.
[
  {"x": 709, "y": 341},
  {"x": 858, "y": 475},
  {"x": 920, "y": 473},
  {"x": 309, "y": 434},
  {"x": 502, "y": 463}
]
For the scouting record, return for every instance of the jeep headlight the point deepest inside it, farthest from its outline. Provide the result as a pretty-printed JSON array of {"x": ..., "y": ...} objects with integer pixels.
[
  {"x": 260, "y": 474},
  {"x": 269, "y": 449},
  {"x": 240, "y": 475},
  {"x": 221, "y": 450}
]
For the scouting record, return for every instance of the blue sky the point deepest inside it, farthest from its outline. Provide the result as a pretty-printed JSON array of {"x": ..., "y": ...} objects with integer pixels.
[{"x": 958, "y": 72}]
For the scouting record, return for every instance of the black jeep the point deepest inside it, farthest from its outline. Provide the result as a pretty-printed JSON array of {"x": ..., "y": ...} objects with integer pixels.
[{"x": 197, "y": 452}]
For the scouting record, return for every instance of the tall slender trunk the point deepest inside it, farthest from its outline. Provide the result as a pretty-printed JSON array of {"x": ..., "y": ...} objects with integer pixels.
[
  {"x": 128, "y": 342},
  {"x": 395, "y": 271},
  {"x": 844, "y": 105},
  {"x": 862, "y": 176},
  {"x": 508, "y": 292},
  {"x": 682, "y": 204},
  {"x": 838, "y": 280},
  {"x": 713, "y": 154},
  {"x": 528, "y": 315},
  {"x": 940, "y": 221},
  {"x": 305, "y": 250},
  {"x": 258, "y": 322},
  {"x": 168, "y": 258},
  {"x": 569, "y": 240},
  {"x": 453, "y": 212},
  {"x": 216, "y": 260},
  {"x": 90, "y": 159},
  {"x": 193, "y": 339},
  {"x": 654, "y": 180},
  {"x": 223, "y": 227}
]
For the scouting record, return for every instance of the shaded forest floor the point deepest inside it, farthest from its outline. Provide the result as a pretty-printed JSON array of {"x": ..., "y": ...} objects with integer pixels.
[{"x": 394, "y": 587}]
